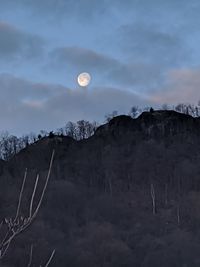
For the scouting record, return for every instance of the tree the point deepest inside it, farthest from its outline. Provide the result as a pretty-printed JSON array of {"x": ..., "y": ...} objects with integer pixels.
[
  {"x": 51, "y": 134},
  {"x": 85, "y": 129},
  {"x": 9, "y": 145},
  {"x": 32, "y": 138},
  {"x": 151, "y": 110},
  {"x": 81, "y": 130},
  {"x": 153, "y": 197},
  {"x": 43, "y": 133},
  {"x": 70, "y": 129},
  {"x": 179, "y": 108},
  {"x": 165, "y": 106},
  {"x": 14, "y": 226},
  {"x": 146, "y": 108},
  {"x": 110, "y": 116},
  {"x": 134, "y": 112},
  {"x": 60, "y": 131}
]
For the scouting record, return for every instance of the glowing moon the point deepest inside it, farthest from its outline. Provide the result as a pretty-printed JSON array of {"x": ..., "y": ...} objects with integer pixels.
[{"x": 84, "y": 79}]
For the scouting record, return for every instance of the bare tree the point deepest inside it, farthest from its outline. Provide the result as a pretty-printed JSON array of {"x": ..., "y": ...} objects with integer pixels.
[
  {"x": 109, "y": 117},
  {"x": 147, "y": 108},
  {"x": 134, "y": 112},
  {"x": 47, "y": 262},
  {"x": 85, "y": 129},
  {"x": 11, "y": 227},
  {"x": 165, "y": 106},
  {"x": 153, "y": 196},
  {"x": 166, "y": 194},
  {"x": 70, "y": 129},
  {"x": 178, "y": 214}
]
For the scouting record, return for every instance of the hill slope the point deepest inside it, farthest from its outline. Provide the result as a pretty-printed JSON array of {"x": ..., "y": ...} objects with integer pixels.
[{"x": 98, "y": 207}]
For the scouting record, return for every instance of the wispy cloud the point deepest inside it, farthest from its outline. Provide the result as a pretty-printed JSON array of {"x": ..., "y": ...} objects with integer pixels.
[
  {"x": 27, "y": 106},
  {"x": 182, "y": 86},
  {"x": 81, "y": 58},
  {"x": 16, "y": 44}
]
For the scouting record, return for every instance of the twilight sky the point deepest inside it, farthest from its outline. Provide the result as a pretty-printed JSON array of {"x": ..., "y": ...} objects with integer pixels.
[{"x": 138, "y": 52}]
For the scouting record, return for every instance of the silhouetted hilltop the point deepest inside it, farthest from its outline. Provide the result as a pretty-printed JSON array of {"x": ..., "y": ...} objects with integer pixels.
[
  {"x": 38, "y": 153},
  {"x": 160, "y": 122},
  {"x": 98, "y": 210},
  {"x": 116, "y": 147},
  {"x": 168, "y": 122}
]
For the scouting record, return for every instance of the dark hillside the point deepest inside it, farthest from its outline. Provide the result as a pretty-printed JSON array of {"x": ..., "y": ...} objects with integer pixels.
[{"x": 98, "y": 208}]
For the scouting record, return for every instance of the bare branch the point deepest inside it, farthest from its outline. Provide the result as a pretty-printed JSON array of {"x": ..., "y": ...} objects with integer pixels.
[
  {"x": 50, "y": 258},
  {"x": 20, "y": 195},
  {"x": 33, "y": 195},
  {"x": 153, "y": 196},
  {"x": 1, "y": 224},
  {"x": 44, "y": 188},
  {"x": 31, "y": 257},
  {"x": 48, "y": 261},
  {"x": 19, "y": 223}
]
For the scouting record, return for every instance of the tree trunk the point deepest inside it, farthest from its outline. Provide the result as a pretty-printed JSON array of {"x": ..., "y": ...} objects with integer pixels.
[
  {"x": 166, "y": 194},
  {"x": 153, "y": 199},
  {"x": 178, "y": 214}
]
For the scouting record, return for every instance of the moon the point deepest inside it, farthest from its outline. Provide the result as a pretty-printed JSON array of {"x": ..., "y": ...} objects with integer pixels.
[{"x": 84, "y": 79}]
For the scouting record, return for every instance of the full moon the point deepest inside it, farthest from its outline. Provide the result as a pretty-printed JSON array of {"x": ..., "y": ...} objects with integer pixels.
[{"x": 84, "y": 79}]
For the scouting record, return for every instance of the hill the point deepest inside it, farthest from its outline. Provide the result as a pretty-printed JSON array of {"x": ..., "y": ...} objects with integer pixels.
[{"x": 127, "y": 196}]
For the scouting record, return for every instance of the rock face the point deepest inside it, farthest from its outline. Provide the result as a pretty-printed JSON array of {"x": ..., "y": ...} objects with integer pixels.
[{"x": 98, "y": 208}]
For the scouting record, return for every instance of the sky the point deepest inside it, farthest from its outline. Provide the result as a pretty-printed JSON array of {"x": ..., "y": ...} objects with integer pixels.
[{"x": 138, "y": 52}]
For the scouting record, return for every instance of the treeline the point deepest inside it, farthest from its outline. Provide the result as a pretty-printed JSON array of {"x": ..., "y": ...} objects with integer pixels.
[
  {"x": 11, "y": 144},
  {"x": 189, "y": 109},
  {"x": 82, "y": 129},
  {"x": 135, "y": 111}
]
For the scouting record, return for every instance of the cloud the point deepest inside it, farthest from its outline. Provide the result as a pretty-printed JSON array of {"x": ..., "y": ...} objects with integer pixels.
[
  {"x": 27, "y": 106},
  {"x": 182, "y": 86},
  {"x": 17, "y": 45},
  {"x": 111, "y": 70},
  {"x": 150, "y": 44},
  {"x": 81, "y": 58},
  {"x": 138, "y": 76}
]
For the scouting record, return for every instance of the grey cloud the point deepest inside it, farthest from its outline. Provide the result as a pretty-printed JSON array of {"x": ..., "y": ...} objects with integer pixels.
[
  {"x": 137, "y": 75},
  {"x": 16, "y": 45},
  {"x": 182, "y": 86},
  {"x": 111, "y": 70},
  {"x": 27, "y": 106},
  {"x": 81, "y": 58},
  {"x": 151, "y": 44}
]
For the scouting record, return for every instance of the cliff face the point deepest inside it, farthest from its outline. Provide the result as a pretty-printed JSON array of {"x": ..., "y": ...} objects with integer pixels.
[{"x": 98, "y": 207}]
